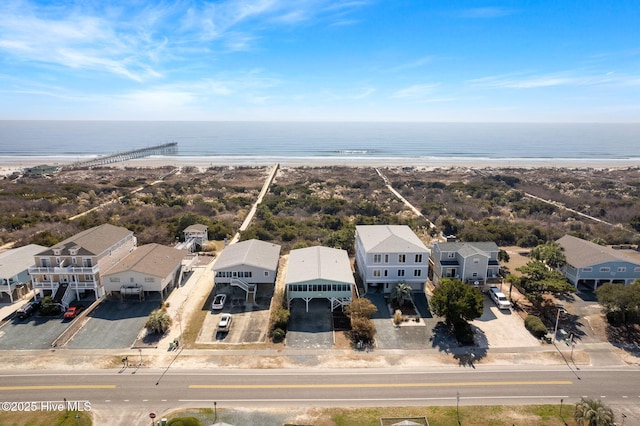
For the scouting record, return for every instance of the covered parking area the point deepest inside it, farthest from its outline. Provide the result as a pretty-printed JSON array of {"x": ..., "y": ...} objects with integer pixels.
[{"x": 319, "y": 273}]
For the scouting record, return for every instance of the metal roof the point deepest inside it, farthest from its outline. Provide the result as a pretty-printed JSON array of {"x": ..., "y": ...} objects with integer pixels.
[
  {"x": 17, "y": 260},
  {"x": 319, "y": 263},
  {"x": 260, "y": 254},
  {"x": 389, "y": 239},
  {"x": 467, "y": 248},
  {"x": 196, "y": 228}
]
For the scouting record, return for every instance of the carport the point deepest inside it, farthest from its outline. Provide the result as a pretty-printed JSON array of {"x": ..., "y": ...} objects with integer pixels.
[{"x": 319, "y": 273}]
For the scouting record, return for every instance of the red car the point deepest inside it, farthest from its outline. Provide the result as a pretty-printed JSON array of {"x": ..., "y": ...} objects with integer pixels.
[{"x": 73, "y": 311}]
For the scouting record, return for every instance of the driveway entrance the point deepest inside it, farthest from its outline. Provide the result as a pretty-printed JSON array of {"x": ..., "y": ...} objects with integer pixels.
[{"x": 313, "y": 329}]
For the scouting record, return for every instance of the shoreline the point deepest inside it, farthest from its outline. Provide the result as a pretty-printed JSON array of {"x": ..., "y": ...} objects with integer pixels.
[{"x": 11, "y": 164}]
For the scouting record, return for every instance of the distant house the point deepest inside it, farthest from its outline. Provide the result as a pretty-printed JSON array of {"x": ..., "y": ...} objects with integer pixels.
[
  {"x": 389, "y": 254},
  {"x": 196, "y": 235},
  {"x": 320, "y": 273},
  {"x": 248, "y": 264},
  {"x": 591, "y": 264},
  {"x": 149, "y": 268},
  {"x": 43, "y": 169},
  {"x": 470, "y": 262},
  {"x": 14, "y": 270},
  {"x": 74, "y": 266}
]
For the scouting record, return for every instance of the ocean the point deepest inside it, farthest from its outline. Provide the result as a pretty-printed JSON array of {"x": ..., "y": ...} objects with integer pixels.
[{"x": 325, "y": 140}]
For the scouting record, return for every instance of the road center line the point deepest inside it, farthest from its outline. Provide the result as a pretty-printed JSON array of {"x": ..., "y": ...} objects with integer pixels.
[
  {"x": 380, "y": 385},
  {"x": 49, "y": 387}
]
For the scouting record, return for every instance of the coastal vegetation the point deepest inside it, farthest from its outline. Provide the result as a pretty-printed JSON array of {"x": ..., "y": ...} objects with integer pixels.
[
  {"x": 458, "y": 303},
  {"x": 309, "y": 206}
]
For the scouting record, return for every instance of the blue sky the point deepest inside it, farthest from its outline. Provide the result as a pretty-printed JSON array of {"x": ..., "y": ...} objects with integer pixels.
[{"x": 308, "y": 60}]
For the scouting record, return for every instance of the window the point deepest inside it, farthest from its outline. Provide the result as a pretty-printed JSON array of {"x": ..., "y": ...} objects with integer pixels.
[
  {"x": 636, "y": 269},
  {"x": 401, "y": 272},
  {"x": 418, "y": 258},
  {"x": 376, "y": 272},
  {"x": 417, "y": 272},
  {"x": 88, "y": 277},
  {"x": 377, "y": 258},
  {"x": 451, "y": 255},
  {"x": 402, "y": 258},
  {"x": 587, "y": 269},
  {"x": 266, "y": 273},
  {"x": 622, "y": 269},
  {"x": 386, "y": 272},
  {"x": 386, "y": 258},
  {"x": 114, "y": 279},
  {"x": 474, "y": 275},
  {"x": 605, "y": 269},
  {"x": 149, "y": 280},
  {"x": 476, "y": 260}
]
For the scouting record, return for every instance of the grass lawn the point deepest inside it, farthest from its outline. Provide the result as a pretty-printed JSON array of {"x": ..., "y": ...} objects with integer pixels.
[
  {"x": 45, "y": 418},
  {"x": 497, "y": 415}
]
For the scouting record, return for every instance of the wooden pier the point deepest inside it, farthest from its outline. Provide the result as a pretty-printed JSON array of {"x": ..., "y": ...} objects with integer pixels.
[{"x": 164, "y": 149}]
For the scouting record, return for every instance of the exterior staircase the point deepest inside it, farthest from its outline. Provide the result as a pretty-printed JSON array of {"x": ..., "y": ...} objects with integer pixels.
[{"x": 250, "y": 289}]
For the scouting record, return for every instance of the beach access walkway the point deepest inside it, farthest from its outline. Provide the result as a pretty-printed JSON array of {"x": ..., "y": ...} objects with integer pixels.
[
  {"x": 401, "y": 198},
  {"x": 265, "y": 187}
]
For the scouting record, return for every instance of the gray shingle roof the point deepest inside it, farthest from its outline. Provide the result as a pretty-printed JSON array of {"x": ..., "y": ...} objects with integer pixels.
[
  {"x": 468, "y": 248},
  {"x": 151, "y": 259},
  {"x": 319, "y": 263},
  {"x": 389, "y": 239},
  {"x": 196, "y": 228},
  {"x": 15, "y": 261},
  {"x": 92, "y": 241},
  {"x": 581, "y": 253},
  {"x": 256, "y": 253}
]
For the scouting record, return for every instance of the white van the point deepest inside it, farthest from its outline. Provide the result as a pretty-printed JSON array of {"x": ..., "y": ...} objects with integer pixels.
[{"x": 499, "y": 298}]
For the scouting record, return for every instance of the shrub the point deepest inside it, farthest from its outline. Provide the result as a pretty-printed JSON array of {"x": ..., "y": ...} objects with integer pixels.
[
  {"x": 278, "y": 335},
  {"x": 184, "y": 421},
  {"x": 397, "y": 317},
  {"x": 49, "y": 307},
  {"x": 280, "y": 318},
  {"x": 159, "y": 321},
  {"x": 362, "y": 329},
  {"x": 535, "y": 326}
]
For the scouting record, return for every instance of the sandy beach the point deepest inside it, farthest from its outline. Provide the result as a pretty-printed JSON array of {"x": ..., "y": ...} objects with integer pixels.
[{"x": 12, "y": 164}]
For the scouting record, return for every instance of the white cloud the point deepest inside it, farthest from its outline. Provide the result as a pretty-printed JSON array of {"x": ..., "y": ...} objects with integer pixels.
[
  {"x": 415, "y": 91},
  {"x": 547, "y": 80},
  {"x": 484, "y": 12}
]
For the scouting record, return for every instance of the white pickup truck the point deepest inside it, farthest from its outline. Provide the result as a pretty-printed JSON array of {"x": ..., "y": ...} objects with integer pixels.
[{"x": 499, "y": 298}]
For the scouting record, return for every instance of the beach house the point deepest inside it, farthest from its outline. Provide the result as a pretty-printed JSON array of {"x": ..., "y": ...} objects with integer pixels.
[
  {"x": 470, "y": 262},
  {"x": 195, "y": 236},
  {"x": 590, "y": 264},
  {"x": 390, "y": 254},
  {"x": 250, "y": 265},
  {"x": 15, "y": 281},
  {"x": 149, "y": 268},
  {"x": 74, "y": 266},
  {"x": 319, "y": 273}
]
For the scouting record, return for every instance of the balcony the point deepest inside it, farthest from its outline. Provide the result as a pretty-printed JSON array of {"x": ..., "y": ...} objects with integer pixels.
[
  {"x": 52, "y": 285},
  {"x": 64, "y": 270}
]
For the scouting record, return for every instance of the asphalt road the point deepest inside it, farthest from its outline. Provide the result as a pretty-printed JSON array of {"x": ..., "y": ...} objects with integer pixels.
[{"x": 139, "y": 392}]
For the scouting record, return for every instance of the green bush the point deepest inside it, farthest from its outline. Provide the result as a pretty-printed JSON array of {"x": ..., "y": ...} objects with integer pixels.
[
  {"x": 535, "y": 326},
  {"x": 184, "y": 421},
  {"x": 280, "y": 318},
  {"x": 278, "y": 335}
]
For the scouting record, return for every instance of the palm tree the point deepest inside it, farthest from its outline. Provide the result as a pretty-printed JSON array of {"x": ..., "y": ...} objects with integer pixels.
[
  {"x": 159, "y": 321},
  {"x": 401, "y": 293},
  {"x": 591, "y": 412}
]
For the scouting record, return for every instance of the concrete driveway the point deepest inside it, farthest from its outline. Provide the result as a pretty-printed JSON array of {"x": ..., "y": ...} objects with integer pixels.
[
  {"x": 114, "y": 324},
  {"x": 501, "y": 328},
  {"x": 410, "y": 335},
  {"x": 313, "y": 329},
  {"x": 35, "y": 332}
]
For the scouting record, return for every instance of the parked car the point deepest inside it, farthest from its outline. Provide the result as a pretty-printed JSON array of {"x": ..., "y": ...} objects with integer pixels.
[
  {"x": 218, "y": 301},
  {"x": 28, "y": 309},
  {"x": 73, "y": 311},
  {"x": 499, "y": 299},
  {"x": 225, "y": 322}
]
